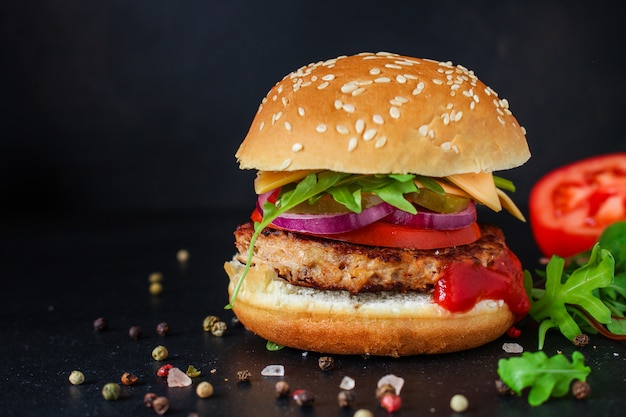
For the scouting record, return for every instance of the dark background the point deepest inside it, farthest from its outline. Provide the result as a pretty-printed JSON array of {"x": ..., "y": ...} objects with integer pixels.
[{"x": 137, "y": 106}]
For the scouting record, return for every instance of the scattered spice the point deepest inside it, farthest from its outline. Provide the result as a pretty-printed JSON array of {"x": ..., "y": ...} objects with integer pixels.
[
  {"x": 384, "y": 389},
  {"x": 347, "y": 383},
  {"x": 326, "y": 363},
  {"x": 208, "y": 322},
  {"x": 303, "y": 397},
  {"x": 155, "y": 277},
  {"x": 162, "y": 329},
  {"x": 459, "y": 403},
  {"x": 177, "y": 378},
  {"x": 164, "y": 370},
  {"x": 76, "y": 377},
  {"x": 514, "y": 332},
  {"x": 148, "y": 399},
  {"x": 273, "y": 370},
  {"x": 219, "y": 328},
  {"x": 182, "y": 255},
  {"x": 192, "y": 372},
  {"x": 391, "y": 402},
  {"x": 160, "y": 353},
  {"x": 363, "y": 413},
  {"x": 111, "y": 391},
  {"x": 282, "y": 389},
  {"x": 394, "y": 381},
  {"x": 204, "y": 389},
  {"x": 581, "y": 389},
  {"x": 100, "y": 324},
  {"x": 128, "y": 378},
  {"x": 581, "y": 340},
  {"x": 345, "y": 398},
  {"x": 160, "y": 405},
  {"x": 244, "y": 376},
  {"x": 512, "y": 348},
  {"x": 134, "y": 332},
  {"x": 156, "y": 288},
  {"x": 503, "y": 388}
]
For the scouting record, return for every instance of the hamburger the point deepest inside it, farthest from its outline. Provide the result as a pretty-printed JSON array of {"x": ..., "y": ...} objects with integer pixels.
[{"x": 364, "y": 238}]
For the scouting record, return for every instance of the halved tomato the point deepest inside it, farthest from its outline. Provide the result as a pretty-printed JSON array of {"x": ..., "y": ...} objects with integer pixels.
[
  {"x": 571, "y": 206},
  {"x": 398, "y": 236}
]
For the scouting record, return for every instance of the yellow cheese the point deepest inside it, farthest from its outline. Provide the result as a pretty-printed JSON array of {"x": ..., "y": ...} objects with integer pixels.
[
  {"x": 480, "y": 186},
  {"x": 447, "y": 188},
  {"x": 268, "y": 180},
  {"x": 509, "y": 205}
]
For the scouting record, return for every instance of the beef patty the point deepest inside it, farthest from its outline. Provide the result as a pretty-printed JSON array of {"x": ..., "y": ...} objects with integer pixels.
[{"x": 311, "y": 261}]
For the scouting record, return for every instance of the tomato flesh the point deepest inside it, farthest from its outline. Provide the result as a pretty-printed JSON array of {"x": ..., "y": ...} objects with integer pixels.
[
  {"x": 398, "y": 236},
  {"x": 571, "y": 206}
]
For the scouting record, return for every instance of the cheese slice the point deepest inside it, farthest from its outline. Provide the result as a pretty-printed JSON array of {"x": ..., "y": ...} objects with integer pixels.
[
  {"x": 480, "y": 186},
  {"x": 509, "y": 205},
  {"x": 269, "y": 180}
]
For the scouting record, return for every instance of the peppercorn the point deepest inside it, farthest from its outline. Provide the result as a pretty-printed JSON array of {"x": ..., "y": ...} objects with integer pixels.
[
  {"x": 156, "y": 288},
  {"x": 581, "y": 389},
  {"x": 148, "y": 399},
  {"x": 128, "y": 378},
  {"x": 503, "y": 388},
  {"x": 303, "y": 397},
  {"x": 155, "y": 277},
  {"x": 282, "y": 389},
  {"x": 363, "y": 413},
  {"x": 159, "y": 353},
  {"x": 160, "y": 405},
  {"x": 345, "y": 398},
  {"x": 459, "y": 403},
  {"x": 326, "y": 363},
  {"x": 208, "y": 322},
  {"x": 244, "y": 376},
  {"x": 162, "y": 328},
  {"x": 218, "y": 328},
  {"x": 182, "y": 256},
  {"x": 76, "y": 377},
  {"x": 100, "y": 324},
  {"x": 384, "y": 389},
  {"x": 111, "y": 391},
  {"x": 192, "y": 372},
  {"x": 391, "y": 402},
  {"x": 134, "y": 332},
  {"x": 581, "y": 340},
  {"x": 204, "y": 389},
  {"x": 164, "y": 370}
]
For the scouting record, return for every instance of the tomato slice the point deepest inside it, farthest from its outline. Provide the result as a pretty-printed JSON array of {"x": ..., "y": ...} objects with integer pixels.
[
  {"x": 398, "y": 236},
  {"x": 570, "y": 206}
]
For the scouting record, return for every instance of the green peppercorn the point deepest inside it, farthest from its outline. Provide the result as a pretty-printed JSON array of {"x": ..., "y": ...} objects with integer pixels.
[
  {"x": 219, "y": 328},
  {"x": 204, "y": 389},
  {"x": 76, "y": 377},
  {"x": 156, "y": 288},
  {"x": 111, "y": 391},
  {"x": 208, "y": 322},
  {"x": 159, "y": 353}
]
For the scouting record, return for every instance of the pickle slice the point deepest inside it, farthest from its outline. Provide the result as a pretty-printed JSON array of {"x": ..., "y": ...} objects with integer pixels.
[{"x": 440, "y": 203}]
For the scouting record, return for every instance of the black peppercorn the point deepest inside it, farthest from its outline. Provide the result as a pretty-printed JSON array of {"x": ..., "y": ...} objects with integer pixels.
[
  {"x": 162, "y": 329},
  {"x": 134, "y": 332},
  {"x": 581, "y": 389},
  {"x": 148, "y": 399},
  {"x": 326, "y": 363},
  {"x": 100, "y": 324},
  {"x": 282, "y": 389},
  {"x": 160, "y": 405},
  {"x": 345, "y": 398}
]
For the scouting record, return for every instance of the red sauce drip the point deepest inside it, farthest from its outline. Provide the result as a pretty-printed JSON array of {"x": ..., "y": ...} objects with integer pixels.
[{"x": 463, "y": 284}]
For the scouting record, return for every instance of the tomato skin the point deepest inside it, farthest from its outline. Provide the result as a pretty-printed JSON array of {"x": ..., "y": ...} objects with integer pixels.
[
  {"x": 398, "y": 236},
  {"x": 570, "y": 206}
]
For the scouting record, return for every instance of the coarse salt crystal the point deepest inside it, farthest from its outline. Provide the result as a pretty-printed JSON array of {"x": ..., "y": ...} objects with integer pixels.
[
  {"x": 177, "y": 378},
  {"x": 273, "y": 370},
  {"x": 512, "y": 348},
  {"x": 394, "y": 381},
  {"x": 347, "y": 383}
]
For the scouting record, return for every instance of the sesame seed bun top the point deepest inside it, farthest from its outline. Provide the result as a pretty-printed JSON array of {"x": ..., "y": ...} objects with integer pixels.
[{"x": 383, "y": 113}]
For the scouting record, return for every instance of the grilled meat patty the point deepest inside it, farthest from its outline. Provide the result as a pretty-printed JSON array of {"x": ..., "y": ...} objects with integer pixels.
[{"x": 311, "y": 261}]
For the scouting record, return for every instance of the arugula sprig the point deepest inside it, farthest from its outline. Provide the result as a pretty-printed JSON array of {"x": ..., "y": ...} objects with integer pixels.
[
  {"x": 588, "y": 291},
  {"x": 545, "y": 376},
  {"x": 345, "y": 189}
]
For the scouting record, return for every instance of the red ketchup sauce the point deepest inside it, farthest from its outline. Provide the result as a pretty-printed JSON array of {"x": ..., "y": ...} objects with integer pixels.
[{"x": 463, "y": 284}]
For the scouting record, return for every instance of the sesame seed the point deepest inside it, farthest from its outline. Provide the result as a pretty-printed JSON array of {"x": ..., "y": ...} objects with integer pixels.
[
  {"x": 394, "y": 112},
  {"x": 419, "y": 88},
  {"x": 423, "y": 130},
  {"x": 322, "y": 85},
  {"x": 458, "y": 116},
  {"x": 476, "y": 98},
  {"x": 437, "y": 81},
  {"x": 285, "y": 164},
  {"x": 501, "y": 120},
  {"x": 274, "y": 97},
  {"x": 504, "y": 103},
  {"x": 342, "y": 129},
  {"x": 410, "y": 76},
  {"x": 472, "y": 105},
  {"x": 364, "y": 82},
  {"x": 285, "y": 101},
  {"x": 359, "y": 125},
  {"x": 301, "y": 111},
  {"x": 446, "y": 146},
  {"x": 352, "y": 144},
  {"x": 278, "y": 115},
  {"x": 321, "y": 128},
  {"x": 380, "y": 142},
  {"x": 261, "y": 126},
  {"x": 431, "y": 134},
  {"x": 374, "y": 71},
  {"x": 523, "y": 130},
  {"x": 288, "y": 126},
  {"x": 446, "y": 118},
  {"x": 296, "y": 147},
  {"x": 369, "y": 134},
  {"x": 338, "y": 104},
  {"x": 358, "y": 91},
  {"x": 348, "y": 87},
  {"x": 382, "y": 80},
  {"x": 401, "y": 79},
  {"x": 328, "y": 77},
  {"x": 449, "y": 106},
  {"x": 378, "y": 119},
  {"x": 348, "y": 108},
  {"x": 455, "y": 149},
  {"x": 393, "y": 66}
]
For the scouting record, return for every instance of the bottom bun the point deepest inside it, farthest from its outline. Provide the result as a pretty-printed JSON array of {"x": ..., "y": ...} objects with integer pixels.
[{"x": 380, "y": 324}]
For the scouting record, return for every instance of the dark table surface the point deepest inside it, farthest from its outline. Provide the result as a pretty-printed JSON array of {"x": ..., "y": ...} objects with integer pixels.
[{"x": 60, "y": 274}]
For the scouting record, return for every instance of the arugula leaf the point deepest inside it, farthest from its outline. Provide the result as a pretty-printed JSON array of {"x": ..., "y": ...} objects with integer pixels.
[
  {"x": 550, "y": 309},
  {"x": 546, "y": 376}
]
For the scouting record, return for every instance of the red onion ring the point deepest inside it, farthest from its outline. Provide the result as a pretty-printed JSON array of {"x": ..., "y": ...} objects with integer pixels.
[
  {"x": 327, "y": 223},
  {"x": 435, "y": 221}
]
